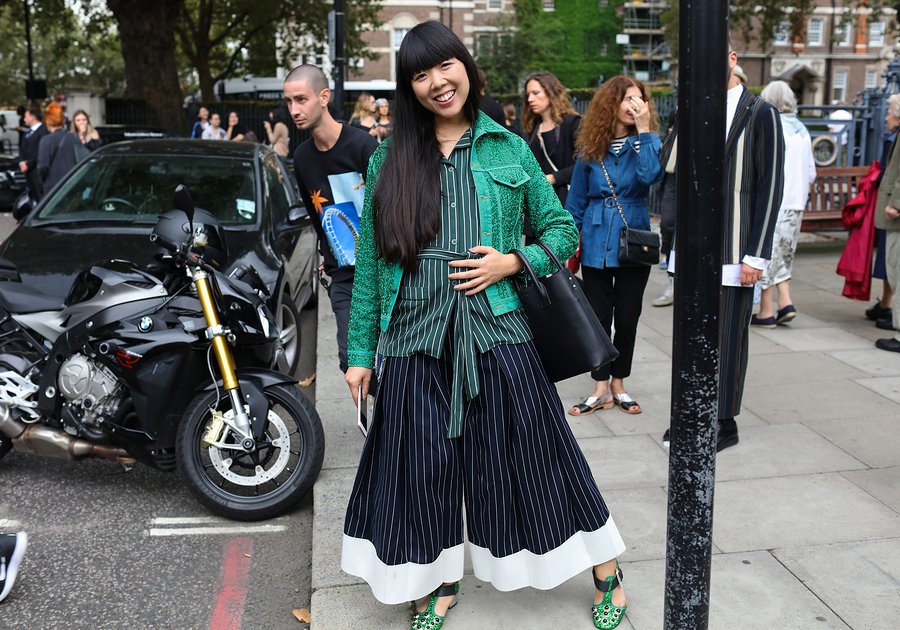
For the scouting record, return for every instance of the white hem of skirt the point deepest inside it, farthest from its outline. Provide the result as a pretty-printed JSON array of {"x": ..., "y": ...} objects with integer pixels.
[
  {"x": 397, "y": 584},
  {"x": 400, "y": 583},
  {"x": 545, "y": 571}
]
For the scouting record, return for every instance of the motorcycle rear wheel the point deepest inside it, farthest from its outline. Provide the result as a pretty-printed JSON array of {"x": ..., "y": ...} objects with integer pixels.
[{"x": 258, "y": 485}]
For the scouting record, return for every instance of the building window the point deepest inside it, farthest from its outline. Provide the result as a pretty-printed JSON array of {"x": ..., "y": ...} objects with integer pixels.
[
  {"x": 782, "y": 38},
  {"x": 839, "y": 86},
  {"x": 496, "y": 5},
  {"x": 871, "y": 79},
  {"x": 814, "y": 34},
  {"x": 397, "y": 36},
  {"x": 843, "y": 33},
  {"x": 876, "y": 34}
]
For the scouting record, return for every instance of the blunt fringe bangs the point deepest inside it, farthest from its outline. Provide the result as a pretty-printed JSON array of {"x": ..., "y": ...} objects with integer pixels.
[{"x": 406, "y": 208}]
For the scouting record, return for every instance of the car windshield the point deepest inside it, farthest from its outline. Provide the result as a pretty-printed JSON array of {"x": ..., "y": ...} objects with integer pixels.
[{"x": 138, "y": 188}]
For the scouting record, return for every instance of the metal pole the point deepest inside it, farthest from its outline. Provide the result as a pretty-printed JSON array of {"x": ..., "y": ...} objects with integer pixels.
[
  {"x": 28, "y": 39},
  {"x": 338, "y": 69},
  {"x": 703, "y": 54}
]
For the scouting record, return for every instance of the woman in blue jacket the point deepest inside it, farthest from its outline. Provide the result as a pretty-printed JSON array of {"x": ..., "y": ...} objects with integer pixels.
[{"x": 618, "y": 159}]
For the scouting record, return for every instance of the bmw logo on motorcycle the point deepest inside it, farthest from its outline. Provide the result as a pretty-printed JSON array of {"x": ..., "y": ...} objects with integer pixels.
[{"x": 145, "y": 325}]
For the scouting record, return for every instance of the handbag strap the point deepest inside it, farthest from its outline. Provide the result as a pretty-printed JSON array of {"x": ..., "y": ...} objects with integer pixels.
[
  {"x": 613, "y": 191},
  {"x": 544, "y": 149},
  {"x": 529, "y": 270}
]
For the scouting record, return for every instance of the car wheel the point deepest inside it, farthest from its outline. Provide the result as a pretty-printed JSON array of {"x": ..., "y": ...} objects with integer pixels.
[{"x": 288, "y": 320}]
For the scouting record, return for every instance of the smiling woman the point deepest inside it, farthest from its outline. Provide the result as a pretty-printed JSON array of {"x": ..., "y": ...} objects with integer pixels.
[{"x": 466, "y": 415}]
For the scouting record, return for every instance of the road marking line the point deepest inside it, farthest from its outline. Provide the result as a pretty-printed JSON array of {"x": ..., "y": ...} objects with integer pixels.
[
  {"x": 8, "y": 525},
  {"x": 210, "y": 531},
  {"x": 228, "y": 611},
  {"x": 186, "y": 520}
]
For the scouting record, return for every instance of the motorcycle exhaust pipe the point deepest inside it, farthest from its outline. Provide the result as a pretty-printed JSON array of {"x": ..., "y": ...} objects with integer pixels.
[{"x": 48, "y": 442}]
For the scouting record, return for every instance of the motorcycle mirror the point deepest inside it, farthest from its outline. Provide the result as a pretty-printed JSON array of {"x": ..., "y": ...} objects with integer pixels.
[{"x": 182, "y": 201}]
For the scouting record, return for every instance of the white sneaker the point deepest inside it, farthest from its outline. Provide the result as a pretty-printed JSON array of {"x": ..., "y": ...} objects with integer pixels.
[
  {"x": 665, "y": 298},
  {"x": 12, "y": 548}
]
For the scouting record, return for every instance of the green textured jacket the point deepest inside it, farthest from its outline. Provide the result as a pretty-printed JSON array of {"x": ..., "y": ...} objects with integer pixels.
[{"x": 510, "y": 184}]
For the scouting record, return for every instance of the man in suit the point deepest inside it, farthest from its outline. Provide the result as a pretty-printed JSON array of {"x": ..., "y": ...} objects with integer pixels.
[
  {"x": 28, "y": 150},
  {"x": 753, "y": 179}
]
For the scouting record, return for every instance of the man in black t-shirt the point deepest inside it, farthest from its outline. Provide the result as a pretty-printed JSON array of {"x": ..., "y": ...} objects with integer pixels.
[{"x": 330, "y": 168}]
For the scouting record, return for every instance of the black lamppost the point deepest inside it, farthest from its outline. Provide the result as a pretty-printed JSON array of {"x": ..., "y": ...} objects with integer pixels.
[
  {"x": 702, "y": 73},
  {"x": 338, "y": 61}
]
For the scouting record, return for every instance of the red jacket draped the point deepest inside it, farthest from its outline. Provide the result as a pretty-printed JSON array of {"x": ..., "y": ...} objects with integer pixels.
[{"x": 859, "y": 217}]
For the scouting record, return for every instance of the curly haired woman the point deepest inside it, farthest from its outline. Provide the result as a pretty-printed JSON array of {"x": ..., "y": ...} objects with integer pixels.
[{"x": 618, "y": 162}]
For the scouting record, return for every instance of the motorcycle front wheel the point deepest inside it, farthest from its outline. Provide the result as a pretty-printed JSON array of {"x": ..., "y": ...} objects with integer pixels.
[{"x": 260, "y": 484}]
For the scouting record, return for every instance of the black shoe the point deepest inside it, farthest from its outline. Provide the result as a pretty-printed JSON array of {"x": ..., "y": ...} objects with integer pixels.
[
  {"x": 726, "y": 437},
  {"x": 785, "y": 315},
  {"x": 877, "y": 312},
  {"x": 763, "y": 322},
  {"x": 12, "y": 548},
  {"x": 885, "y": 324},
  {"x": 888, "y": 344}
]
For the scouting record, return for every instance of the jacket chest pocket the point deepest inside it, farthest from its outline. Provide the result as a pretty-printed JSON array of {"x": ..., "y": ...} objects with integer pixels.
[{"x": 510, "y": 178}]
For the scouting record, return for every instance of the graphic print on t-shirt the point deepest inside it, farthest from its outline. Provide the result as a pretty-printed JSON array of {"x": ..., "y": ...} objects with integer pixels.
[{"x": 340, "y": 220}]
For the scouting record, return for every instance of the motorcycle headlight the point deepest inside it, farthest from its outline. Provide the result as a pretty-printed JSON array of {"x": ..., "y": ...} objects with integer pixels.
[{"x": 264, "y": 322}]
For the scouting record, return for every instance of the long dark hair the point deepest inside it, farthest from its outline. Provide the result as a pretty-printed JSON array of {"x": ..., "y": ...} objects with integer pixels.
[{"x": 407, "y": 212}]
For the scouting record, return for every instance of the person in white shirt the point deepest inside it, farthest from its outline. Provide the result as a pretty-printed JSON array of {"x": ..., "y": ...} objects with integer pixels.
[
  {"x": 799, "y": 173},
  {"x": 214, "y": 131}
]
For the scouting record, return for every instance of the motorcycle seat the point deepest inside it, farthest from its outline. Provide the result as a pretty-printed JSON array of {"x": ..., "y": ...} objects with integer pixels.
[{"x": 19, "y": 298}]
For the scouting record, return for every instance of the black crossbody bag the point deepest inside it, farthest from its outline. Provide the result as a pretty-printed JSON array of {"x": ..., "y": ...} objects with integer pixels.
[
  {"x": 639, "y": 247},
  {"x": 567, "y": 334}
]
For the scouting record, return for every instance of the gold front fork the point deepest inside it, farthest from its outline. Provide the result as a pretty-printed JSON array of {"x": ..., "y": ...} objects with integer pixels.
[
  {"x": 240, "y": 419},
  {"x": 220, "y": 347}
]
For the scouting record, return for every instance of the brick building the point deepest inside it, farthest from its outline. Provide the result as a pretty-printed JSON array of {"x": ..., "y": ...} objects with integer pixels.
[{"x": 841, "y": 53}]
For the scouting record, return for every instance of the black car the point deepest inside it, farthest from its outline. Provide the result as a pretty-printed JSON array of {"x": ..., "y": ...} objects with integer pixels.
[
  {"x": 106, "y": 207},
  {"x": 12, "y": 182}
]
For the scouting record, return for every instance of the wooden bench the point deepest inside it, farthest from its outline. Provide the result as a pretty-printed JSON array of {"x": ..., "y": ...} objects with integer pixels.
[{"x": 833, "y": 188}]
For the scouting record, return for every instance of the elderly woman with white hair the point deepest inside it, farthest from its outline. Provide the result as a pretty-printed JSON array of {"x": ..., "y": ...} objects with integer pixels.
[{"x": 799, "y": 173}]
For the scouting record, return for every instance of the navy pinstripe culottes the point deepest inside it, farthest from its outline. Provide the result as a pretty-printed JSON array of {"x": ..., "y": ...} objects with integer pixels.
[{"x": 534, "y": 514}]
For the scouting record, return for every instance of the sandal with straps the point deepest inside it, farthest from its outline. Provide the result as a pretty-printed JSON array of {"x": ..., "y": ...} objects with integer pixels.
[
  {"x": 428, "y": 619},
  {"x": 627, "y": 404},
  {"x": 593, "y": 403},
  {"x": 606, "y": 614}
]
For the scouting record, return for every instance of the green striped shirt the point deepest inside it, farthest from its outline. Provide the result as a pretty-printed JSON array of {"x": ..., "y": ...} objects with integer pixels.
[{"x": 429, "y": 309}]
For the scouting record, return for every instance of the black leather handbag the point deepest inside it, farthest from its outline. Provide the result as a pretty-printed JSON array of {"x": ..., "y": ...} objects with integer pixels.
[
  {"x": 636, "y": 247},
  {"x": 567, "y": 334}
]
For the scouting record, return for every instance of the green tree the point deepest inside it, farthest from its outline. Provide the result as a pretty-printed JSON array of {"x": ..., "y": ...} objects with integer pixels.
[
  {"x": 227, "y": 38},
  {"x": 68, "y": 50},
  {"x": 576, "y": 42}
]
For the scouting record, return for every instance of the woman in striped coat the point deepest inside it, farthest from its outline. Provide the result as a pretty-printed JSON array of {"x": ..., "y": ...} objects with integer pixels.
[{"x": 465, "y": 416}]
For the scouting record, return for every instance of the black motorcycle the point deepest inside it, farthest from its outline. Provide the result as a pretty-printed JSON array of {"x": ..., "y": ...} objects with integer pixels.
[{"x": 167, "y": 366}]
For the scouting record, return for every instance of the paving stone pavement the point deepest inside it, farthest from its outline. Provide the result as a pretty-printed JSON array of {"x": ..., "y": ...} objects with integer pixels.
[{"x": 807, "y": 506}]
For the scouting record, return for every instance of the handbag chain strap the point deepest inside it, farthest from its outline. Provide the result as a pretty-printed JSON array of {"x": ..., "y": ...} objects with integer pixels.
[{"x": 613, "y": 191}]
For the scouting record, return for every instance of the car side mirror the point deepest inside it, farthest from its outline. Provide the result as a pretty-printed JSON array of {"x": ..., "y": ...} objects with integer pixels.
[
  {"x": 297, "y": 214},
  {"x": 23, "y": 207}
]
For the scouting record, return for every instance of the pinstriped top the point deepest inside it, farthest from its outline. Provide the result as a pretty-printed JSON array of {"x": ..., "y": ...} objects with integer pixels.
[{"x": 428, "y": 306}]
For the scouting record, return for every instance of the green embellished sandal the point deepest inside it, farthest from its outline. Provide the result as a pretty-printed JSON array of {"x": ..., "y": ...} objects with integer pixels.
[
  {"x": 428, "y": 619},
  {"x": 606, "y": 615}
]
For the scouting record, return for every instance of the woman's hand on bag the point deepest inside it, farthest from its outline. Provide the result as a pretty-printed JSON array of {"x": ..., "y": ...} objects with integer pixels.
[
  {"x": 356, "y": 376},
  {"x": 480, "y": 273},
  {"x": 551, "y": 178}
]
